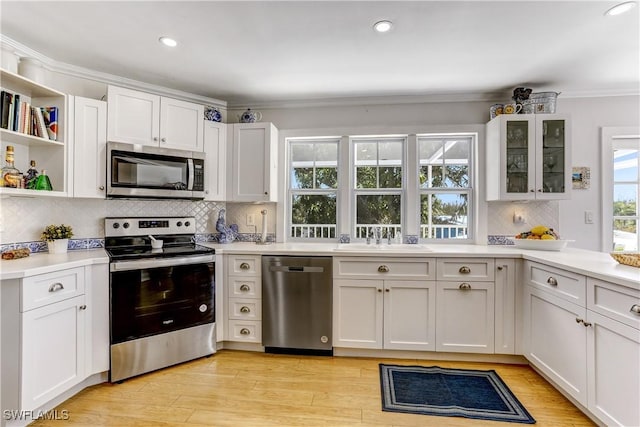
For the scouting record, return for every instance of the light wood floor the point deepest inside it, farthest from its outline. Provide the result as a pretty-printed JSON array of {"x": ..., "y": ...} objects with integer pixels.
[{"x": 235, "y": 388}]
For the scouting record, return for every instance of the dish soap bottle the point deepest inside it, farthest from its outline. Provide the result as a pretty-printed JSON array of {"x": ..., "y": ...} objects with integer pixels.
[
  {"x": 31, "y": 176},
  {"x": 43, "y": 182}
]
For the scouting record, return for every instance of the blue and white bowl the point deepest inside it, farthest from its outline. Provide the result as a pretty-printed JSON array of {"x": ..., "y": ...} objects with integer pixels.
[{"x": 212, "y": 114}]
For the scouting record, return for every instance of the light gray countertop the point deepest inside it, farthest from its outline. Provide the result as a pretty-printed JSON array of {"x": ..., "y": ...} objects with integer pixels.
[{"x": 599, "y": 265}]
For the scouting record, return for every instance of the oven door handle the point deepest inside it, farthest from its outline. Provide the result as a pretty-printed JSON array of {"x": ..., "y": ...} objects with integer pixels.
[{"x": 144, "y": 264}]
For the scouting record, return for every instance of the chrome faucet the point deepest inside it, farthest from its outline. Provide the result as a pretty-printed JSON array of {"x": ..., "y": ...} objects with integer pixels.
[{"x": 377, "y": 234}]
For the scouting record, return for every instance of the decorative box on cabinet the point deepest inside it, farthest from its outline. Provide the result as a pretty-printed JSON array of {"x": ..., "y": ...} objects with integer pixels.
[
  {"x": 142, "y": 118},
  {"x": 89, "y": 157},
  {"x": 48, "y": 154},
  {"x": 244, "y": 298},
  {"x": 384, "y": 303},
  {"x": 465, "y": 319},
  {"x": 254, "y": 160},
  {"x": 215, "y": 147},
  {"x": 534, "y": 154}
]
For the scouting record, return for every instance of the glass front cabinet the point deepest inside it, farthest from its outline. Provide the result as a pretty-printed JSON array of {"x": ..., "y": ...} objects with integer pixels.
[{"x": 528, "y": 157}]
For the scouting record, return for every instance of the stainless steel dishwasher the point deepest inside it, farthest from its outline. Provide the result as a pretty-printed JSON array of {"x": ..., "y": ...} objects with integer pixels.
[{"x": 296, "y": 304}]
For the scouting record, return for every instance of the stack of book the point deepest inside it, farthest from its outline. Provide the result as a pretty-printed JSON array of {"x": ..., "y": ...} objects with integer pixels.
[{"x": 20, "y": 116}]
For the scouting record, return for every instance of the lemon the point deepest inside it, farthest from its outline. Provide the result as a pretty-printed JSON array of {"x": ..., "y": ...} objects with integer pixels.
[
  {"x": 539, "y": 230},
  {"x": 547, "y": 237}
]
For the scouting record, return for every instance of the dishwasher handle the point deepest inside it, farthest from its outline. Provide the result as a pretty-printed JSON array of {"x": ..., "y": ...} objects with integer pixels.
[{"x": 295, "y": 269}]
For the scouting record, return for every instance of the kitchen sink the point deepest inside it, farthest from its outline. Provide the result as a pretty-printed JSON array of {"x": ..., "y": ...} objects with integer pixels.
[{"x": 383, "y": 247}]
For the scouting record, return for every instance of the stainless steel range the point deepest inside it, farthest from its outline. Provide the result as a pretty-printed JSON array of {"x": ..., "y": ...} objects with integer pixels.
[{"x": 162, "y": 308}]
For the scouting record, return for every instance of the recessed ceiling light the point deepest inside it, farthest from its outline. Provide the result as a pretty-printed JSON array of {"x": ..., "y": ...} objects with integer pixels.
[
  {"x": 621, "y": 8},
  {"x": 168, "y": 41},
  {"x": 383, "y": 26}
]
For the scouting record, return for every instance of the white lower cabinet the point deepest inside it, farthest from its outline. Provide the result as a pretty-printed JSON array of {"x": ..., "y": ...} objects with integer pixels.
[
  {"x": 243, "y": 308},
  {"x": 392, "y": 305},
  {"x": 556, "y": 340},
  {"x": 465, "y": 317},
  {"x": 55, "y": 334}
]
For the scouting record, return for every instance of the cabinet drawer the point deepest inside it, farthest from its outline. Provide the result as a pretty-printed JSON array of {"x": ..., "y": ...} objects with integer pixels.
[
  {"x": 565, "y": 284},
  {"x": 48, "y": 288},
  {"x": 614, "y": 301},
  {"x": 245, "y": 265},
  {"x": 245, "y": 330},
  {"x": 249, "y": 309},
  {"x": 241, "y": 287},
  {"x": 384, "y": 268},
  {"x": 481, "y": 269}
]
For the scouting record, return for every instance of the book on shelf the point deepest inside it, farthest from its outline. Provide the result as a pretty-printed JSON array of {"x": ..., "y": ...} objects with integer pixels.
[
  {"x": 40, "y": 126},
  {"x": 51, "y": 121},
  {"x": 6, "y": 102},
  {"x": 17, "y": 110}
]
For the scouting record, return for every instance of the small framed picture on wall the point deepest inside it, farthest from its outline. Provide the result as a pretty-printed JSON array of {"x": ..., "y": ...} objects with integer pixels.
[{"x": 581, "y": 177}]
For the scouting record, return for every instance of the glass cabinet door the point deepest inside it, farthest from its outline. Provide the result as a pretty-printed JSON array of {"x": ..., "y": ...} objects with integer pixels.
[
  {"x": 517, "y": 146},
  {"x": 553, "y": 156}
]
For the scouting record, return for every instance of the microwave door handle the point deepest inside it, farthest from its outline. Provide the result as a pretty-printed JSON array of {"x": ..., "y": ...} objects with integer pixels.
[{"x": 191, "y": 173}]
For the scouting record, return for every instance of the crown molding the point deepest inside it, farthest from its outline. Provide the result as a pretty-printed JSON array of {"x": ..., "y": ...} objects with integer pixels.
[{"x": 50, "y": 64}]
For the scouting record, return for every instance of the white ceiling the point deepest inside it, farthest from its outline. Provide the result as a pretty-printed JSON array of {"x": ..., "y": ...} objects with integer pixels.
[{"x": 249, "y": 53}]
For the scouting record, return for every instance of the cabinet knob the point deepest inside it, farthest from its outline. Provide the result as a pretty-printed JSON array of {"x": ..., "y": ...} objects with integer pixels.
[
  {"x": 539, "y": 190},
  {"x": 56, "y": 287},
  {"x": 101, "y": 188},
  {"x": 387, "y": 290},
  {"x": 383, "y": 269},
  {"x": 163, "y": 140},
  {"x": 532, "y": 190},
  {"x": 587, "y": 324},
  {"x": 635, "y": 308},
  {"x": 266, "y": 193},
  {"x": 206, "y": 191},
  {"x": 244, "y": 266},
  {"x": 579, "y": 320},
  {"x": 245, "y": 309},
  {"x": 464, "y": 286},
  {"x": 464, "y": 270},
  {"x": 379, "y": 290},
  {"x": 82, "y": 307},
  {"x": 245, "y": 331},
  {"x": 500, "y": 268},
  {"x": 245, "y": 288},
  {"x": 552, "y": 281},
  {"x": 155, "y": 138}
]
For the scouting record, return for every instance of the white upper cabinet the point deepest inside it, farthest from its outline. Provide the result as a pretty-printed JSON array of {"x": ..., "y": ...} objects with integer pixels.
[
  {"x": 89, "y": 159},
  {"x": 529, "y": 157},
  {"x": 142, "y": 118},
  {"x": 215, "y": 148},
  {"x": 254, "y": 163}
]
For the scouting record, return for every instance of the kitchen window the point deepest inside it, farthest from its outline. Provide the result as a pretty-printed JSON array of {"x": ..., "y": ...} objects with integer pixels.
[
  {"x": 445, "y": 186},
  {"x": 378, "y": 184},
  {"x": 626, "y": 188},
  {"x": 313, "y": 188}
]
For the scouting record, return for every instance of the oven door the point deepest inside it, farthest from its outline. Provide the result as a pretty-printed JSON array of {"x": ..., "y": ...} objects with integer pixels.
[
  {"x": 153, "y": 172},
  {"x": 150, "y": 297}
]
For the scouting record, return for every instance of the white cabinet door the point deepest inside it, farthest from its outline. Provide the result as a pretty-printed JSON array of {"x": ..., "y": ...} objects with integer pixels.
[
  {"x": 89, "y": 148},
  {"x": 215, "y": 148},
  {"x": 97, "y": 336},
  {"x": 357, "y": 313},
  {"x": 53, "y": 352},
  {"x": 505, "y": 304},
  {"x": 534, "y": 153},
  {"x": 254, "y": 163},
  {"x": 181, "y": 125},
  {"x": 465, "y": 317},
  {"x": 409, "y": 315},
  {"x": 613, "y": 370},
  {"x": 133, "y": 116},
  {"x": 556, "y": 340}
]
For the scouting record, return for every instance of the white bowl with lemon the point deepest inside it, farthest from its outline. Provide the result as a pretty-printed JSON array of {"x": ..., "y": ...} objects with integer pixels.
[{"x": 540, "y": 238}]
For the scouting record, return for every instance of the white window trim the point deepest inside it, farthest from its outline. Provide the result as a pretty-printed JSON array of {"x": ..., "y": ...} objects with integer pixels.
[
  {"x": 411, "y": 222},
  {"x": 610, "y": 135}
]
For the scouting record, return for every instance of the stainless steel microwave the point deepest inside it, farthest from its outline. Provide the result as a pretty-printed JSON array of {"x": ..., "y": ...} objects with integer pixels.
[{"x": 135, "y": 171}]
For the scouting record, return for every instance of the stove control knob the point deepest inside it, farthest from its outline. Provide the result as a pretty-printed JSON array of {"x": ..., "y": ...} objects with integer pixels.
[
  {"x": 179, "y": 223},
  {"x": 186, "y": 224},
  {"x": 125, "y": 225},
  {"x": 116, "y": 225}
]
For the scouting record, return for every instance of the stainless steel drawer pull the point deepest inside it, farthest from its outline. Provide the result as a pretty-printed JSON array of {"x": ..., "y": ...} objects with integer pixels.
[
  {"x": 464, "y": 270},
  {"x": 245, "y": 288},
  {"x": 245, "y": 331},
  {"x": 244, "y": 266},
  {"x": 56, "y": 287},
  {"x": 464, "y": 286},
  {"x": 245, "y": 309},
  {"x": 552, "y": 281},
  {"x": 82, "y": 307},
  {"x": 635, "y": 308},
  {"x": 383, "y": 269}
]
